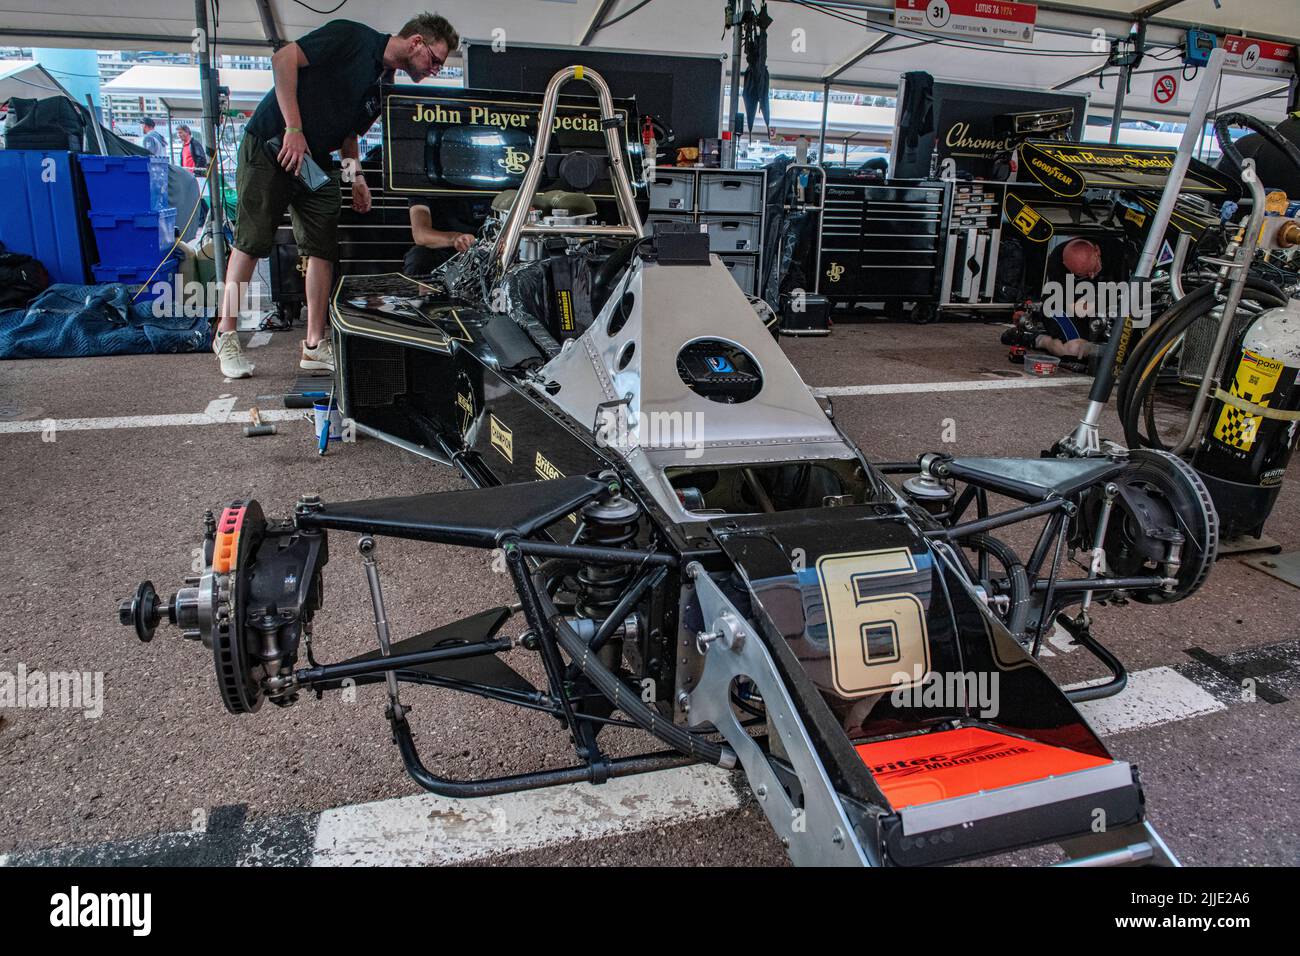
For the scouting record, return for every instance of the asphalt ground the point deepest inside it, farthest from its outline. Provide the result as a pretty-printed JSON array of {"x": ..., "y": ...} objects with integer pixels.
[{"x": 89, "y": 511}]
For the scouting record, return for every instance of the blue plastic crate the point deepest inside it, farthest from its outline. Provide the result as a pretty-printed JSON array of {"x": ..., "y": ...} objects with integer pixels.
[
  {"x": 125, "y": 183},
  {"x": 136, "y": 277},
  {"x": 128, "y": 239},
  {"x": 42, "y": 211}
]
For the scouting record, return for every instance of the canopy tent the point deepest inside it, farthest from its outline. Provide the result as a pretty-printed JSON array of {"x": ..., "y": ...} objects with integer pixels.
[
  {"x": 850, "y": 42},
  {"x": 178, "y": 87},
  {"x": 27, "y": 79}
]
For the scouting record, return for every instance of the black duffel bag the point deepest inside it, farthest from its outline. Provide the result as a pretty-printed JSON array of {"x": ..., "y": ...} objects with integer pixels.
[
  {"x": 52, "y": 123},
  {"x": 22, "y": 279}
]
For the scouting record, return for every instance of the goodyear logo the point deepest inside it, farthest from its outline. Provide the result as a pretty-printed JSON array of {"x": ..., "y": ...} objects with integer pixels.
[
  {"x": 503, "y": 440},
  {"x": 1057, "y": 176}
]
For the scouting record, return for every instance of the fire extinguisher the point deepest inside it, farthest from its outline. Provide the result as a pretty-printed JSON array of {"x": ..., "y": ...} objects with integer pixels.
[
  {"x": 650, "y": 151},
  {"x": 1250, "y": 431}
]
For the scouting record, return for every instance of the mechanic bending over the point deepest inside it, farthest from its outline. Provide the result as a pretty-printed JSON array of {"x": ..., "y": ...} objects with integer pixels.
[
  {"x": 326, "y": 94},
  {"x": 440, "y": 228},
  {"x": 1060, "y": 335}
]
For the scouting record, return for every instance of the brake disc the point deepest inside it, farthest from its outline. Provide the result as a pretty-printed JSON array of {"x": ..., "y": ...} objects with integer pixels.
[
  {"x": 239, "y": 532},
  {"x": 1161, "y": 498}
]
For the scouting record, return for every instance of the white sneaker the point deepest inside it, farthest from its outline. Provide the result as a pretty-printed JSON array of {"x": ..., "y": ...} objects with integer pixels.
[
  {"x": 231, "y": 355},
  {"x": 321, "y": 358}
]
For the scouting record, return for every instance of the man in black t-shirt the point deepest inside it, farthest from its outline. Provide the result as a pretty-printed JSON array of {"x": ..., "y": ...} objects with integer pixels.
[
  {"x": 441, "y": 227},
  {"x": 327, "y": 93}
]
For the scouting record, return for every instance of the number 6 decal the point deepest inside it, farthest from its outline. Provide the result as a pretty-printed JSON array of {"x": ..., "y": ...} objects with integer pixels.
[{"x": 875, "y": 637}]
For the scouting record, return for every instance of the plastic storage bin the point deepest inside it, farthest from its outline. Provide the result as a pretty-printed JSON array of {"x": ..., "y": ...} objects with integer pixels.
[
  {"x": 743, "y": 269},
  {"x": 134, "y": 277},
  {"x": 125, "y": 183},
  {"x": 133, "y": 239},
  {"x": 673, "y": 191},
  {"x": 727, "y": 192},
  {"x": 42, "y": 213},
  {"x": 732, "y": 233}
]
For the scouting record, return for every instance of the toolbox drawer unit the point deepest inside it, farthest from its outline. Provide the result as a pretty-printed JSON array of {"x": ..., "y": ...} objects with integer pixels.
[
  {"x": 729, "y": 204},
  {"x": 882, "y": 242}
]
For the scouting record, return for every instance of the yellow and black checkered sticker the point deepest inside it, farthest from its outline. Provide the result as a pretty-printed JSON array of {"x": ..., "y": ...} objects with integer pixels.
[{"x": 1255, "y": 382}]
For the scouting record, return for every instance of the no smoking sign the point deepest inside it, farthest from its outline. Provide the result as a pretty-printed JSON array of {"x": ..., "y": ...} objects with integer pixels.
[{"x": 1164, "y": 88}]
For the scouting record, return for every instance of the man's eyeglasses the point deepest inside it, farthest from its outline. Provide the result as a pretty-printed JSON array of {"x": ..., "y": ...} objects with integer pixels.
[{"x": 435, "y": 62}]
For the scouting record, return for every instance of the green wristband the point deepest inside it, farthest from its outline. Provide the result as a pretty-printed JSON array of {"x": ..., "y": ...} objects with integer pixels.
[{"x": 293, "y": 129}]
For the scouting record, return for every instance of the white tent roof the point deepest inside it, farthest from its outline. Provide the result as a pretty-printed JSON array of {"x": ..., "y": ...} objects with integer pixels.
[
  {"x": 808, "y": 40},
  {"x": 178, "y": 86},
  {"x": 27, "y": 79}
]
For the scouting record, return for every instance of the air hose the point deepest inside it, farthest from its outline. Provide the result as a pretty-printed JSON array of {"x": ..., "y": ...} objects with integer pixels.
[
  {"x": 609, "y": 684},
  {"x": 1224, "y": 121},
  {"x": 1140, "y": 373},
  {"x": 1018, "y": 607}
]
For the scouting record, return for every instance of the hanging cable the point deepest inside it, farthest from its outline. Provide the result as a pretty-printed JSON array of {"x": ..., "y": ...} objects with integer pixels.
[{"x": 323, "y": 13}]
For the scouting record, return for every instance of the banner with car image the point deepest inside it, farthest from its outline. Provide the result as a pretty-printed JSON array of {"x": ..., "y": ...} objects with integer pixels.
[{"x": 459, "y": 142}]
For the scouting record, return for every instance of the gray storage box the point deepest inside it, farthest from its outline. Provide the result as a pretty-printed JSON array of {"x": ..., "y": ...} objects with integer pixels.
[
  {"x": 733, "y": 233},
  {"x": 744, "y": 270},
  {"x": 669, "y": 217},
  {"x": 673, "y": 190},
  {"x": 728, "y": 192}
]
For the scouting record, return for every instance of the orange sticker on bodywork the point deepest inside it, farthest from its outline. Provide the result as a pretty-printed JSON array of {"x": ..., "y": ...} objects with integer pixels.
[{"x": 952, "y": 763}]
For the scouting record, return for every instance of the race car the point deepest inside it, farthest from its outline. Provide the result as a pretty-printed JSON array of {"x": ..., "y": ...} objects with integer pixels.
[{"x": 699, "y": 551}]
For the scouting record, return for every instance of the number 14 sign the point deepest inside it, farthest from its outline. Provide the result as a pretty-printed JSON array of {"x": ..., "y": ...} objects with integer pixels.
[{"x": 982, "y": 19}]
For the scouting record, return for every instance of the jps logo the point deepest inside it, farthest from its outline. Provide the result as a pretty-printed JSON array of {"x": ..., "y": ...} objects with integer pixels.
[
  {"x": 835, "y": 272},
  {"x": 514, "y": 162}
]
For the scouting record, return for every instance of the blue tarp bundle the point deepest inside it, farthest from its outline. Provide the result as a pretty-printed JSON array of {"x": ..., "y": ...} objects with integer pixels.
[{"x": 70, "y": 321}]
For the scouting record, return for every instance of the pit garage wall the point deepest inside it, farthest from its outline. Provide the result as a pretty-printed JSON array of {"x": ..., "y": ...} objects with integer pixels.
[{"x": 963, "y": 126}]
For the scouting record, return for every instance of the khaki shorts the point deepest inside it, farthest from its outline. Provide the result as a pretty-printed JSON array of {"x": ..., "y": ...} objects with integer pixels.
[{"x": 265, "y": 190}]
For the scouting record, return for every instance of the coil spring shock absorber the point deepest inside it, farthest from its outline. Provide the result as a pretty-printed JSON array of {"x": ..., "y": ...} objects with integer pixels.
[{"x": 606, "y": 524}]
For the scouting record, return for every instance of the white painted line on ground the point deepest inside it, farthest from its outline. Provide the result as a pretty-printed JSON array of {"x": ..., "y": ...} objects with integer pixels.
[
  {"x": 979, "y": 385},
  {"x": 1157, "y": 696},
  {"x": 430, "y": 830},
  {"x": 221, "y": 407},
  {"x": 144, "y": 421}
]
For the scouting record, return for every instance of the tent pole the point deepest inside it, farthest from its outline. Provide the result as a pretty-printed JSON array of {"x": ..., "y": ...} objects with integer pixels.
[
  {"x": 732, "y": 150},
  {"x": 1086, "y": 438},
  {"x": 821, "y": 137},
  {"x": 1120, "y": 91},
  {"x": 208, "y": 93}
]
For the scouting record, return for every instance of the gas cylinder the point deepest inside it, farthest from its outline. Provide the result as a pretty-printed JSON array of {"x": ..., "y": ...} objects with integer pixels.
[{"x": 1252, "y": 422}]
